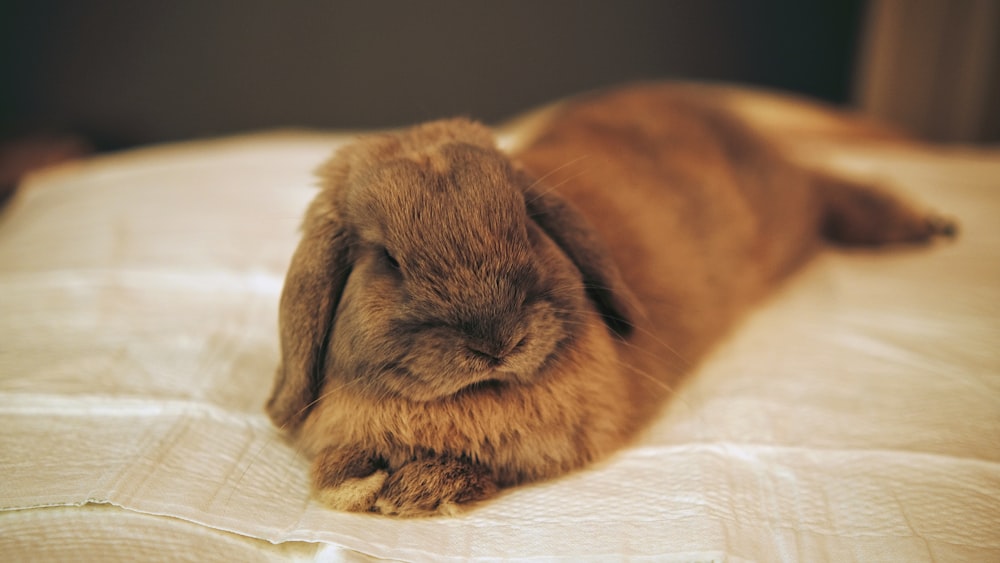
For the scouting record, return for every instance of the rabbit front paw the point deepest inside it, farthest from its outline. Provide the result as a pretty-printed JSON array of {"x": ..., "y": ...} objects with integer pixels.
[
  {"x": 432, "y": 486},
  {"x": 348, "y": 479}
]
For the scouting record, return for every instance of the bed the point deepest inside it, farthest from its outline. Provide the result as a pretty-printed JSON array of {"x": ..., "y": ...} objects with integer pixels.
[{"x": 855, "y": 416}]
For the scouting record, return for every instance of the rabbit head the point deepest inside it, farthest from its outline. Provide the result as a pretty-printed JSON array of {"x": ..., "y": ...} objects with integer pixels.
[{"x": 430, "y": 265}]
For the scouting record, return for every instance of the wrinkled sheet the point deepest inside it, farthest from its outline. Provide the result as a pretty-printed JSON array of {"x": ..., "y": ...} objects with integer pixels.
[{"x": 854, "y": 416}]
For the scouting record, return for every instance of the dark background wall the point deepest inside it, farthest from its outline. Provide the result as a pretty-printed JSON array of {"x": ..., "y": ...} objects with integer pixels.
[{"x": 125, "y": 72}]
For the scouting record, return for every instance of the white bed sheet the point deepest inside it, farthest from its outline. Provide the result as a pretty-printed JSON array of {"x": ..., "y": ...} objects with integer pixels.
[{"x": 854, "y": 416}]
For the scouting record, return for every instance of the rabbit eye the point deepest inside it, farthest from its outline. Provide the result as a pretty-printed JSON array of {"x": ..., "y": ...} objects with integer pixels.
[{"x": 390, "y": 259}]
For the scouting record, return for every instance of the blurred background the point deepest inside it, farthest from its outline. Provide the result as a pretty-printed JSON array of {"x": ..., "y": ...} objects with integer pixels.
[{"x": 80, "y": 76}]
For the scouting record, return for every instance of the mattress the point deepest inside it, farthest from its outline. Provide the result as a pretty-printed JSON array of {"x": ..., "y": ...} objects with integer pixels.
[{"x": 854, "y": 416}]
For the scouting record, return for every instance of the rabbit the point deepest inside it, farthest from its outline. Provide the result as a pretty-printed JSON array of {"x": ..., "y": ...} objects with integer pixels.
[{"x": 457, "y": 319}]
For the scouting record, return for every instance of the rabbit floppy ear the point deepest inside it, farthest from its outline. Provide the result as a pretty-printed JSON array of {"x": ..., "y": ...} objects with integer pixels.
[
  {"x": 312, "y": 290},
  {"x": 584, "y": 247}
]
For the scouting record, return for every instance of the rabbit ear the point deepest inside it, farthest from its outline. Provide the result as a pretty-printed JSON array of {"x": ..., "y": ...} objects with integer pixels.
[
  {"x": 583, "y": 245},
  {"x": 312, "y": 290}
]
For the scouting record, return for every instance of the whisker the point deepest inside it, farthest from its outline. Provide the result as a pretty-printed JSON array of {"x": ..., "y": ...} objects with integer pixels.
[
  {"x": 557, "y": 169},
  {"x": 675, "y": 394},
  {"x": 687, "y": 363},
  {"x": 646, "y": 374},
  {"x": 274, "y": 436},
  {"x": 551, "y": 188}
]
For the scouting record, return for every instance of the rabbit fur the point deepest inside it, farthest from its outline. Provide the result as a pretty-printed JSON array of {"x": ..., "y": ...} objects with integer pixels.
[{"x": 457, "y": 319}]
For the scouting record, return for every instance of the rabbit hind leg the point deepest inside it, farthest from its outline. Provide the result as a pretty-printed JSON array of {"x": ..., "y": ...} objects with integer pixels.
[{"x": 858, "y": 213}]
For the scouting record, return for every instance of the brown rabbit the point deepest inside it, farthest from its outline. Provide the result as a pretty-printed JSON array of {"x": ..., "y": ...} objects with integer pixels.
[{"x": 456, "y": 320}]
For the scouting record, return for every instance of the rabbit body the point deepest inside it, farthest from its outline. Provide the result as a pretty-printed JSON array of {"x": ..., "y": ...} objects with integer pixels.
[{"x": 457, "y": 319}]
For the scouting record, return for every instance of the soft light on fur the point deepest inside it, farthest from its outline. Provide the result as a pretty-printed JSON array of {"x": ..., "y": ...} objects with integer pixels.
[{"x": 457, "y": 319}]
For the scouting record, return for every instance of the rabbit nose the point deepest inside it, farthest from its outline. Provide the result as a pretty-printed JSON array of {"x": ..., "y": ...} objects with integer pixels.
[
  {"x": 495, "y": 350},
  {"x": 491, "y": 351}
]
